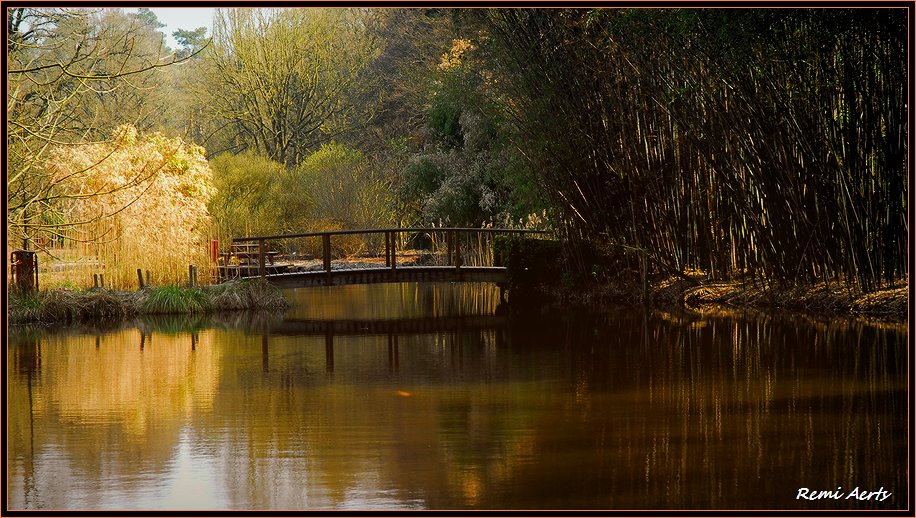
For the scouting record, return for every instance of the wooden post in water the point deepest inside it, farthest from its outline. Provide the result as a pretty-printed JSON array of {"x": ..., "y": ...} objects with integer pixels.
[
  {"x": 101, "y": 280},
  {"x": 140, "y": 277},
  {"x": 262, "y": 251},
  {"x": 147, "y": 278},
  {"x": 326, "y": 255},
  {"x": 95, "y": 280}
]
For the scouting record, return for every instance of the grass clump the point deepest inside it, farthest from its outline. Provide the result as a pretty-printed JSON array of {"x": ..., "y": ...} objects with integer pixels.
[
  {"x": 58, "y": 306},
  {"x": 64, "y": 305},
  {"x": 175, "y": 299},
  {"x": 24, "y": 307},
  {"x": 102, "y": 305}
]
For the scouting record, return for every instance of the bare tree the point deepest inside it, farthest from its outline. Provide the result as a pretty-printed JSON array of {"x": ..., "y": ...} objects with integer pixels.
[
  {"x": 72, "y": 74},
  {"x": 279, "y": 80}
]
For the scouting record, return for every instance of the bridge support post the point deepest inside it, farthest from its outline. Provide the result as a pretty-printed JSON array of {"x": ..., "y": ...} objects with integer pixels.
[
  {"x": 326, "y": 254},
  {"x": 387, "y": 249},
  {"x": 457, "y": 240},
  {"x": 394, "y": 250},
  {"x": 261, "y": 253}
]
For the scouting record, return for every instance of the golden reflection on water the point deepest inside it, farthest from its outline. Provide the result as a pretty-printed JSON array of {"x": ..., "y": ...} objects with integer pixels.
[
  {"x": 622, "y": 411},
  {"x": 104, "y": 401}
]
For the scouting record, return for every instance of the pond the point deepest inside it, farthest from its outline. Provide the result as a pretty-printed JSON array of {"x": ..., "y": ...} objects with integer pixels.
[{"x": 432, "y": 396}]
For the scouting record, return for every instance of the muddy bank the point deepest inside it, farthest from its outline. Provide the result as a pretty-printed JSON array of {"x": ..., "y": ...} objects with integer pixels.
[{"x": 697, "y": 295}]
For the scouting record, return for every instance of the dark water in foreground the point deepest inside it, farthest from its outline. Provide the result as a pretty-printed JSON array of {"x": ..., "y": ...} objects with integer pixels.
[{"x": 444, "y": 405}]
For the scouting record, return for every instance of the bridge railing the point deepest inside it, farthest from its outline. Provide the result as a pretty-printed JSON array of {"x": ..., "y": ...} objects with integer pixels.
[{"x": 439, "y": 246}]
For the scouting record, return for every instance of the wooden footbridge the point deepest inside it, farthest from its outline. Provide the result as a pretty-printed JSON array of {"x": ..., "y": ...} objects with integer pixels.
[{"x": 436, "y": 255}]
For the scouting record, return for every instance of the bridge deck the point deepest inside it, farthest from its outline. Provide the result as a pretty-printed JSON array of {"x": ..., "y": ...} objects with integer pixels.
[
  {"x": 462, "y": 246},
  {"x": 380, "y": 275}
]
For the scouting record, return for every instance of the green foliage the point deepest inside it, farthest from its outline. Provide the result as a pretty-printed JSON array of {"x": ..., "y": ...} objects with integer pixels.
[
  {"x": 281, "y": 81},
  {"x": 98, "y": 305},
  {"x": 175, "y": 299},
  {"x": 148, "y": 18},
  {"x": 444, "y": 123},
  {"x": 343, "y": 190},
  {"x": 468, "y": 173},
  {"x": 333, "y": 188},
  {"x": 190, "y": 41},
  {"x": 244, "y": 203},
  {"x": 24, "y": 306}
]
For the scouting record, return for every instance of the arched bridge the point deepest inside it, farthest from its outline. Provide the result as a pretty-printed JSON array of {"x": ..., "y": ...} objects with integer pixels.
[{"x": 369, "y": 256}]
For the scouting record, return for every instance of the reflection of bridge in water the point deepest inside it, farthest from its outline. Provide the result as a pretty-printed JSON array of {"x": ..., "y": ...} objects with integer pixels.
[
  {"x": 450, "y": 255},
  {"x": 390, "y": 328},
  {"x": 450, "y": 324}
]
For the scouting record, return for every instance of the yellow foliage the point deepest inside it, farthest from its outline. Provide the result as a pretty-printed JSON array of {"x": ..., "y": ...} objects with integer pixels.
[
  {"x": 452, "y": 58},
  {"x": 148, "y": 195}
]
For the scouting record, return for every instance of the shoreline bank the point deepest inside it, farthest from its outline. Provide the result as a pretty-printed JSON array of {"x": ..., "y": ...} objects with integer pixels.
[
  {"x": 701, "y": 297},
  {"x": 693, "y": 295},
  {"x": 66, "y": 306}
]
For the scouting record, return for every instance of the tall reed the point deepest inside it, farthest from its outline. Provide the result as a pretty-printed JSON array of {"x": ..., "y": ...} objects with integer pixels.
[{"x": 767, "y": 143}]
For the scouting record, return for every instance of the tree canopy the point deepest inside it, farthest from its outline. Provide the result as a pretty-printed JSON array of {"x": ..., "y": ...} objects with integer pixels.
[{"x": 768, "y": 143}]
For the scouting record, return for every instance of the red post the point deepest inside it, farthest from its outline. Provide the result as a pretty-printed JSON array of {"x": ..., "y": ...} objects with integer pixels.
[{"x": 214, "y": 250}]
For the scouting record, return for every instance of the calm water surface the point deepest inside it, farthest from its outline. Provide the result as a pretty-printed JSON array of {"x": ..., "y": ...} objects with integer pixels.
[{"x": 427, "y": 397}]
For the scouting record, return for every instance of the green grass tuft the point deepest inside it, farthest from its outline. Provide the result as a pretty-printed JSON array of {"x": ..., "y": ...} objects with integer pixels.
[
  {"x": 175, "y": 299},
  {"x": 24, "y": 307}
]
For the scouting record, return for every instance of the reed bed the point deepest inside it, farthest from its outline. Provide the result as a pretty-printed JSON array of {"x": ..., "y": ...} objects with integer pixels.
[{"x": 763, "y": 143}]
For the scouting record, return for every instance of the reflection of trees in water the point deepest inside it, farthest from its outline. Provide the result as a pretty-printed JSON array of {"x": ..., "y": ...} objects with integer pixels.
[
  {"x": 722, "y": 412},
  {"x": 623, "y": 410},
  {"x": 105, "y": 406}
]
